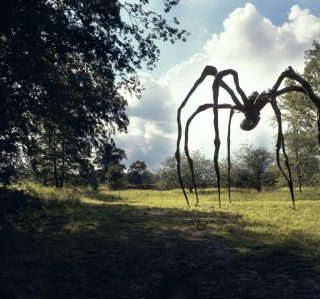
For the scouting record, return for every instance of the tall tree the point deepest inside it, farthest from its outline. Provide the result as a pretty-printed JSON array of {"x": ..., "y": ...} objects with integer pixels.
[
  {"x": 300, "y": 116},
  {"x": 63, "y": 62},
  {"x": 116, "y": 175},
  {"x": 300, "y": 136},
  {"x": 312, "y": 66},
  {"x": 108, "y": 155}
]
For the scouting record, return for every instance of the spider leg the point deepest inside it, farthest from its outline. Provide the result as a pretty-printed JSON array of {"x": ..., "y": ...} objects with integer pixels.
[
  {"x": 218, "y": 82},
  {"x": 305, "y": 88},
  {"x": 235, "y": 76},
  {"x": 315, "y": 100},
  {"x": 186, "y": 148},
  {"x": 228, "y": 145},
  {"x": 217, "y": 142},
  {"x": 186, "y": 139},
  {"x": 273, "y": 93},
  {"x": 208, "y": 70},
  {"x": 291, "y": 74},
  {"x": 280, "y": 144}
]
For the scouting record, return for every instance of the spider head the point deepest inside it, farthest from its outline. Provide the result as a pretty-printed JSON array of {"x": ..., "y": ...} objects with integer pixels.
[
  {"x": 253, "y": 97},
  {"x": 250, "y": 121},
  {"x": 251, "y": 115}
]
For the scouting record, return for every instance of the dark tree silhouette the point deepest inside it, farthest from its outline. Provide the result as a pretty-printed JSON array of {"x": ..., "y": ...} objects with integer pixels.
[
  {"x": 138, "y": 173},
  {"x": 108, "y": 155},
  {"x": 62, "y": 64}
]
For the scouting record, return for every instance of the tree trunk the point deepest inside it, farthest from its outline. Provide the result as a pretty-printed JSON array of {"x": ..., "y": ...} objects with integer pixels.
[
  {"x": 63, "y": 164},
  {"x": 55, "y": 171}
]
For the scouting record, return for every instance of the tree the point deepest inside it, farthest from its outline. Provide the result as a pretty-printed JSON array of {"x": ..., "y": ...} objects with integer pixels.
[
  {"x": 203, "y": 170},
  {"x": 167, "y": 173},
  {"x": 312, "y": 66},
  {"x": 62, "y": 65},
  {"x": 138, "y": 173},
  {"x": 87, "y": 173},
  {"x": 116, "y": 175},
  {"x": 108, "y": 155},
  {"x": 253, "y": 165},
  {"x": 300, "y": 116}
]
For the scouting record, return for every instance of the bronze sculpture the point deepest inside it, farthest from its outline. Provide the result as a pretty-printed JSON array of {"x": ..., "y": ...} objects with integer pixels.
[{"x": 250, "y": 107}]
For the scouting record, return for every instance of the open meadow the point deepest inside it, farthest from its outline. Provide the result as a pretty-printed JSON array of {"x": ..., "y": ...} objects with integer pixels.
[{"x": 149, "y": 244}]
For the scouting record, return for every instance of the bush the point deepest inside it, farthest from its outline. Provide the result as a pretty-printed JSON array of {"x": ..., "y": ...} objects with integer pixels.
[
  {"x": 52, "y": 196},
  {"x": 19, "y": 210}
]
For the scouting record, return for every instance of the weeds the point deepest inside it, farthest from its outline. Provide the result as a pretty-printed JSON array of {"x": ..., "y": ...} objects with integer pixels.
[{"x": 52, "y": 197}]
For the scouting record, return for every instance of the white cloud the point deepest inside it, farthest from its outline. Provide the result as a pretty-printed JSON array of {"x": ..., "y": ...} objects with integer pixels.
[
  {"x": 151, "y": 130},
  {"x": 304, "y": 25},
  {"x": 252, "y": 45}
]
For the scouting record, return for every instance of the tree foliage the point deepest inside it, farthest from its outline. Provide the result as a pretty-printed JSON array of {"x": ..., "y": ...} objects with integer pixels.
[
  {"x": 300, "y": 116},
  {"x": 138, "y": 173},
  {"x": 108, "y": 155},
  {"x": 203, "y": 171},
  {"x": 253, "y": 167},
  {"x": 116, "y": 175},
  {"x": 62, "y": 65}
]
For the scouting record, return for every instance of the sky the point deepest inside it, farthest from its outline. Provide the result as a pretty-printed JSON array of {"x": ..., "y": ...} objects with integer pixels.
[{"x": 259, "y": 39}]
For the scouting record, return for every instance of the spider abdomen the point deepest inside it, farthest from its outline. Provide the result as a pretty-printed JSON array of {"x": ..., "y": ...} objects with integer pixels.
[{"x": 250, "y": 121}]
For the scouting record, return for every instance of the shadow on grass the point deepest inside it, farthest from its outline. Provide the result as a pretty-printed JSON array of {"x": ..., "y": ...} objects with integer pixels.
[
  {"x": 104, "y": 197},
  {"x": 121, "y": 251}
]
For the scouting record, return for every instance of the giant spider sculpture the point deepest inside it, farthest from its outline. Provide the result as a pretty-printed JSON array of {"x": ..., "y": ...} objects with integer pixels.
[{"x": 250, "y": 107}]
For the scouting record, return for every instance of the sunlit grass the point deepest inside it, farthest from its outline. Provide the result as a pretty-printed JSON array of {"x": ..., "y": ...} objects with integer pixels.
[
  {"x": 258, "y": 237},
  {"x": 268, "y": 213}
]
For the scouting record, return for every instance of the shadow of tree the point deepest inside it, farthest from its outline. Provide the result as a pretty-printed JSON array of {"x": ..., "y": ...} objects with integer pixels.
[
  {"x": 120, "y": 251},
  {"x": 105, "y": 197}
]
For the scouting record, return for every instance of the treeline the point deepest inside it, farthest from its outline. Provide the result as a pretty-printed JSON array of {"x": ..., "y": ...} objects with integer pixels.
[{"x": 251, "y": 167}]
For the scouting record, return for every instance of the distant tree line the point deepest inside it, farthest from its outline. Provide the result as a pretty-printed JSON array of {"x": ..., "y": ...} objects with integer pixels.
[{"x": 251, "y": 168}]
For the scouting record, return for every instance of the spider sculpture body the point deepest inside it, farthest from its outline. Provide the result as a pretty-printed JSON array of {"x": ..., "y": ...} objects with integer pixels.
[{"x": 250, "y": 107}]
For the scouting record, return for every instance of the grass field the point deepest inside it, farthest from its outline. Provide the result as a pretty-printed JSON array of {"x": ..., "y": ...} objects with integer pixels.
[{"x": 149, "y": 244}]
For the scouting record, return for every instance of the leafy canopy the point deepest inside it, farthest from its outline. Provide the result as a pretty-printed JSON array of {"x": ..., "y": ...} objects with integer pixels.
[{"x": 62, "y": 64}]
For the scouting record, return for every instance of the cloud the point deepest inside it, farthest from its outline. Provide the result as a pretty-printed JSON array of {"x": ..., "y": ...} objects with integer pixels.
[
  {"x": 250, "y": 44},
  {"x": 148, "y": 141},
  {"x": 155, "y": 102}
]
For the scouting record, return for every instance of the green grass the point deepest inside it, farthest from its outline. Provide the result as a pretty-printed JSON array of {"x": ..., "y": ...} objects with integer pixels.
[{"x": 150, "y": 244}]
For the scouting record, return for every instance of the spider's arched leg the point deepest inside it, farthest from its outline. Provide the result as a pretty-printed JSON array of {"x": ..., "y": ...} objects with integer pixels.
[
  {"x": 291, "y": 74},
  {"x": 228, "y": 145},
  {"x": 280, "y": 144},
  {"x": 186, "y": 139},
  {"x": 208, "y": 71},
  {"x": 305, "y": 88},
  {"x": 315, "y": 100},
  {"x": 235, "y": 76},
  {"x": 218, "y": 82}
]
